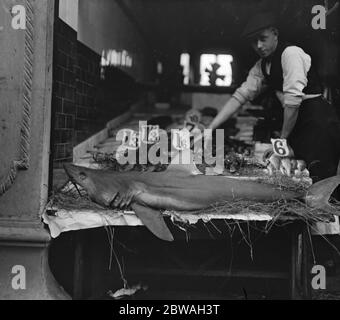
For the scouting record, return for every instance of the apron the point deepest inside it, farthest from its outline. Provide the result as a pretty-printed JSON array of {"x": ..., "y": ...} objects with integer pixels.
[{"x": 316, "y": 138}]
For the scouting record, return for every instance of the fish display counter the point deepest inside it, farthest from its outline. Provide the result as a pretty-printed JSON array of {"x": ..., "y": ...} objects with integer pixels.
[
  {"x": 169, "y": 199},
  {"x": 69, "y": 210}
]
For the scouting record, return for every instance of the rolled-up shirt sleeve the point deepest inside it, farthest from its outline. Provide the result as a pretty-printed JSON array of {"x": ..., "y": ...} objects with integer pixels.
[
  {"x": 295, "y": 66},
  {"x": 253, "y": 86}
]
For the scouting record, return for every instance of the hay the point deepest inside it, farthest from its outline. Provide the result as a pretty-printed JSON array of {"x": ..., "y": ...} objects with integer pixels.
[{"x": 283, "y": 210}]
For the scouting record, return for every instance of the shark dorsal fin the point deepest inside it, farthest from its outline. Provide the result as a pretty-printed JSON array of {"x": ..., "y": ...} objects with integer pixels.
[{"x": 184, "y": 162}]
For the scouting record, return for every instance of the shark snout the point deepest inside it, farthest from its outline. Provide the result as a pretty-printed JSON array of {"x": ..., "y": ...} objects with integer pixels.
[
  {"x": 77, "y": 174},
  {"x": 71, "y": 170},
  {"x": 89, "y": 180}
]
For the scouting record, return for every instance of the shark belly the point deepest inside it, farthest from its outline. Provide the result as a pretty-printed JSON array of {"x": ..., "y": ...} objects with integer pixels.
[
  {"x": 199, "y": 192},
  {"x": 167, "y": 202}
]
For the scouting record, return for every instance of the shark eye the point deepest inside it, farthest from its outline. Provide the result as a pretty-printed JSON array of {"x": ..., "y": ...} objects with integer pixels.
[{"x": 82, "y": 176}]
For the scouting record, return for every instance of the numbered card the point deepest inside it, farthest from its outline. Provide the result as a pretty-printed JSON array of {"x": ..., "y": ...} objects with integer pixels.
[
  {"x": 181, "y": 139},
  {"x": 280, "y": 147},
  {"x": 154, "y": 135},
  {"x": 150, "y": 134},
  {"x": 131, "y": 139},
  {"x": 189, "y": 126},
  {"x": 193, "y": 116}
]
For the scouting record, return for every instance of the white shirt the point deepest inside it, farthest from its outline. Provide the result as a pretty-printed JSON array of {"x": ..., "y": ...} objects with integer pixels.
[{"x": 295, "y": 65}]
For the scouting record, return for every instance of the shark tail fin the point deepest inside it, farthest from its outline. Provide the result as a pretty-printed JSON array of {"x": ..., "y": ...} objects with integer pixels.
[
  {"x": 154, "y": 221},
  {"x": 318, "y": 194}
]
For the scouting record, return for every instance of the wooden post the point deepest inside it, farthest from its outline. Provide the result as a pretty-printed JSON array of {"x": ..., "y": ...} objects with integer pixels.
[
  {"x": 78, "y": 266},
  {"x": 294, "y": 263},
  {"x": 300, "y": 281},
  {"x": 306, "y": 263}
]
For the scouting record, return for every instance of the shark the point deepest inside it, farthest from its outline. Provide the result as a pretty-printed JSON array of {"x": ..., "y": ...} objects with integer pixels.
[{"x": 182, "y": 187}]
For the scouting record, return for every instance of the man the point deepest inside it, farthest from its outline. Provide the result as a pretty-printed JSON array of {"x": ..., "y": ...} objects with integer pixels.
[{"x": 310, "y": 124}]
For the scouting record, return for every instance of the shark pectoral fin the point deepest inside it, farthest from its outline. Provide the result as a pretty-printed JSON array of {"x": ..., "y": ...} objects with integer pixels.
[
  {"x": 154, "y": 221},
  {"x": 127, "y": 200},
  {"x": 319, "y": 193},
  {"x": 184, "y": 162}
]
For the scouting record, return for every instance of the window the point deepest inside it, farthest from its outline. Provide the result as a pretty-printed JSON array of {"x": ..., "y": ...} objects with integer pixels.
[
  {"x": 116, "y": 58},
  {"x": 185, "y": 63},
  {"x": 159, "y": 68},
  {"x": 215, "y": 70}
]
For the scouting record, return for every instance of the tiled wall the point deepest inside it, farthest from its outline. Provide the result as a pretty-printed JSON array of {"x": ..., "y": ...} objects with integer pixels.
[
  {"x": 87, "y": 70},
  {"x": 64, "y": 92},
  {"x": 80, "y": 105}
]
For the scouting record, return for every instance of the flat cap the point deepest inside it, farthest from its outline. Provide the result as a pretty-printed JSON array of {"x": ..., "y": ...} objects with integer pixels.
[{"x": 258, "y": 23}]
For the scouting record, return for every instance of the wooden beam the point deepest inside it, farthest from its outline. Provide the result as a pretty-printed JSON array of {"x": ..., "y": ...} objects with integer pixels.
[{"x": 261, "y": 274}]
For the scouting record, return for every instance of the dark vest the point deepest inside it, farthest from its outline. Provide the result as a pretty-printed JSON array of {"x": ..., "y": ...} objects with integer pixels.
[{"x": 275, "y": 79}]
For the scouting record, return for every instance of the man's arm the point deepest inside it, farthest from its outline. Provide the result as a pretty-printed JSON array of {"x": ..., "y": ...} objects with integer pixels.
[
  {"x": 227, "y": 111},
  {"x": 295, "y": 65},
  {"x": 246, "y": 92},
  {"x": 289, "y": 120}
]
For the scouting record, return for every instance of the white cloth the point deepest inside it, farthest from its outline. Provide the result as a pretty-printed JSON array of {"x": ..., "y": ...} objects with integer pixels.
[
  {"x": 71, "y": 220},
  {"x": 295, "y": 65}
]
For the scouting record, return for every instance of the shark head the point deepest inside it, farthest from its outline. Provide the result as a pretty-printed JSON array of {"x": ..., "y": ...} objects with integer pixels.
[{"x": 96, "y": 185}]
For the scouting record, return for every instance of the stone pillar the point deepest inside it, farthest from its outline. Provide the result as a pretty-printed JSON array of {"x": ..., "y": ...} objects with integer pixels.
[{"x": 25, "y": 116}]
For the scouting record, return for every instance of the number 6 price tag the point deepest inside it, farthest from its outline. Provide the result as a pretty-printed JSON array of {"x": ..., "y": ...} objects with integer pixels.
[{"x": 280, "y": 147}]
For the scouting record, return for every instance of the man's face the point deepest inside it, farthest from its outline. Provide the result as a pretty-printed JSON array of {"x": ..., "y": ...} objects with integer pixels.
[{"x": 265, "y": 43}]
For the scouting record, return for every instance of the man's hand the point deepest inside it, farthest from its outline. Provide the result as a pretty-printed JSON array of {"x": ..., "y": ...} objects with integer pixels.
[
  {"x": 279, "y": 157},
  {"x": 267, "y": 154},
  {"x": 227, "y": 111},
  {"x": 276, "y": 163},
  {"x": 286, "y": 165}
]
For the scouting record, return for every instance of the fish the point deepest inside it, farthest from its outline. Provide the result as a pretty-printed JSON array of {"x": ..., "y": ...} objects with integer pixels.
[{"x": 182, "y": 187}]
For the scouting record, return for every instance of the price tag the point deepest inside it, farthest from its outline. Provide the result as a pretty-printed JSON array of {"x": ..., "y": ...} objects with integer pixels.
[
  {"x": 150, "y": 134},
  {"x": 189, "y": 126},
  {"x": 131, "y": 139},
  {"x": 193, "y": 116},
  {"x": 280, "y": 147},
  {"x": 181, "y": 139}
]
